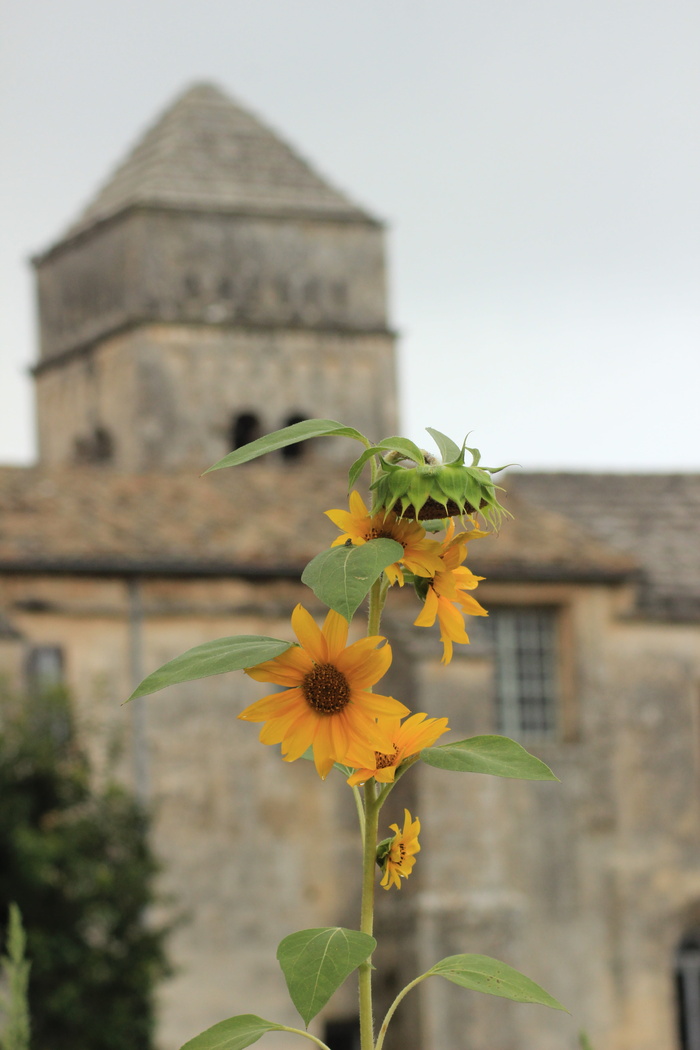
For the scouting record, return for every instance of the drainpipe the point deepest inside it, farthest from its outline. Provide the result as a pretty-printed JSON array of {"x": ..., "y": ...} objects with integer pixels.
[{"x": 139, "y": 741}]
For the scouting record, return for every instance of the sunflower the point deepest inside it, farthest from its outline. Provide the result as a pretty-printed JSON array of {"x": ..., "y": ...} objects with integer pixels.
[
  {"x": 447, "y": 590},
  {"x": 327, "y": 704},
  {"x": 408, "y": 738},
  {"x": 396, "y": 856},
  {"x": 421, "y": 555}
]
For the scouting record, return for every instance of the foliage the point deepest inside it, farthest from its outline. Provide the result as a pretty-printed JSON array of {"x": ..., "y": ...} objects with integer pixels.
[
  {"x": 15, "y": 1028},
  {"x": 77, "y": 862}
]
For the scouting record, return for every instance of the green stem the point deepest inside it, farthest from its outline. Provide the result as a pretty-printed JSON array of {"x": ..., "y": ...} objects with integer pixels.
[
  {"x": 299, "y": 1031},
  {"x": 376, "y": 604},
  {"x": 392, "y": 1009},
  {"x": 369, "y": 862},
  {"x": 360, "y": 811}
]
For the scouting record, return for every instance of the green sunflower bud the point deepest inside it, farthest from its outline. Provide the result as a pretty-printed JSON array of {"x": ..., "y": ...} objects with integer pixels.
[{"x": 430, "y": 490}]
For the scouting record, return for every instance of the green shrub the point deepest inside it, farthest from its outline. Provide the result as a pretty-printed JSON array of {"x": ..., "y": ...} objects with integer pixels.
[{"x": 77, "y": 863}]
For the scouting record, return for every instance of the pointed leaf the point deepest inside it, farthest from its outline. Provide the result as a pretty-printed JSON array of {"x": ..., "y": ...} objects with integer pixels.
[
  {"x": 233, "y": 1034},
  {"x": 308, "y": 428},
  {"x": 316, "y": 962},
  {"x": 407, "y": 449},
  {"x": 356, "y": 468},
  {"x": 448, "y": 449},
  {"x": 498, "y": 755},
  {"x": 217, "y": 657},
  {"x": 342, "y": 576},
  {"x": 483, "y": 974}
]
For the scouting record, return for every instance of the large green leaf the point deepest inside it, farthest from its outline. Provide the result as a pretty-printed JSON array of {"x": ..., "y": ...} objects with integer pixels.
[
  {"x": 482, "y": 974},
  {"x": 407, "y": 448},
  {"x": 308, "y": 428},
  {"x": 342, "y": 576},
  {"x": 448, "y": 450},
  {"x": 316, "y": 962},
  {"x": 233, "y": 1034},
  {"x": 498, "y": 755},
  {"x": 217, "y": 657}
]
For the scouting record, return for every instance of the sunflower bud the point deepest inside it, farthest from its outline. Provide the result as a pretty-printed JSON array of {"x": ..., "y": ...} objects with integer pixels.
[{"x": 429, "y": 490}]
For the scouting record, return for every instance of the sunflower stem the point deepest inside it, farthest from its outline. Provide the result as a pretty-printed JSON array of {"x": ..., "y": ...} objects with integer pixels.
[
  {"x": 367, "y": 913},
  {"x": 360, "y": 810},
  {"x": 374, "y": 616},
  {"x": 392, "y": 1009}
]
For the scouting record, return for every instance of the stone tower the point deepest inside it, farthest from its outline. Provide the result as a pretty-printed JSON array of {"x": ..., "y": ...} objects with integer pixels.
[{"x": 215, "y": 288}]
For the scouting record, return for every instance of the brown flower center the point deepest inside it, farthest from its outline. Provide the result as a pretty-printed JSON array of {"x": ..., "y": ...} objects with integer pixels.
[
  {"x": 384, "y": 761},
  {"x": 326, "y": 689},
  {"x": 385, "y": 534},
  {"x": 398, "y": 852}
]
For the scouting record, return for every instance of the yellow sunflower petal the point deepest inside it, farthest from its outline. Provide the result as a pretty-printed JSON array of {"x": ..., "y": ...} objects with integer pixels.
[
  {"x": 451, "y": 622},
  {"x": 426, "y": 617},
  {"x": 363, "y": 664},
  {"x": 335, "y": 631},
  {"x": 272, "y": 705},
  {"x": 287, "y": 669},
  {"x": 357, "y": 505},
  {"x": 377, "y": 705},
  {"x": 310, "y": 635},
  {"x": 324, "y": 755}
]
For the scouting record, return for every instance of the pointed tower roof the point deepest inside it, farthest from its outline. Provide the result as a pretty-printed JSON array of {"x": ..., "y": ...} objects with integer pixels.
[{"x": 207, "y": 153}]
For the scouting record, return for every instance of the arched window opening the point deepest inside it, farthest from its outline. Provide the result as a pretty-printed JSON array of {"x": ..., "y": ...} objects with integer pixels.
[
  {"x": 103, "y": 446},
  {"x": 294, "y": 452},
  {"x": 244, "y": 428},
  {"x": 97, "y": 447},
  {"x": 688, "y": 991}
]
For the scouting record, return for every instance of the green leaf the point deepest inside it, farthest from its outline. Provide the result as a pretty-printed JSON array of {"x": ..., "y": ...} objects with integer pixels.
[
  {"x": 217, "y": 657},
  {"x": 498, "y": 755},
  {"x": 356, "y": 468},
  {"x": 482, "y": 974},
  {"x": 407, "y": 449},
  {"x": 308, "y": 428},
  {"x": 448, "y": 450},
  {"x": 341, "y": 576},
  {"x": 233, "y": 1034},
  {"x": 316, "y": 962}
]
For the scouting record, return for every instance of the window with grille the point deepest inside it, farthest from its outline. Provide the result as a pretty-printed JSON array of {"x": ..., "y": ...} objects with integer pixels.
[
  {"x": 44, "y": 668},
  {"x": 525, "y": 641},
  {"x": 688, "y": 991}
]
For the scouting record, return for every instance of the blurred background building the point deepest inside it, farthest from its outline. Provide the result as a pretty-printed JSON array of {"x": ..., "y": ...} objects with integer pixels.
[{"x": 217, "y": 288}]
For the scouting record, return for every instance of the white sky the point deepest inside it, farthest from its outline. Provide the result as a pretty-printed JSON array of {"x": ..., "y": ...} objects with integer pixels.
[{"x": 538, "y": 162}]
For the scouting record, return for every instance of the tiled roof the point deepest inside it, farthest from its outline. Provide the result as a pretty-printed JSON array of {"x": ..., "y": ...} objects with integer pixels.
[
  {"x": 207, "y": 153},
  {"x": 653, "y": 517},
  {"x": 252, "y": 519}
]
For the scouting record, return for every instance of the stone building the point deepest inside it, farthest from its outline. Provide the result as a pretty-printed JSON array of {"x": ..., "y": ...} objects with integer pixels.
[{"x": 217, "y": 288}]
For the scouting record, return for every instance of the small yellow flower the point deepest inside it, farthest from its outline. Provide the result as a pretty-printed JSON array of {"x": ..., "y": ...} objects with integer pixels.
[
  {"x": 327, "y": 704},
  {"x": 408, "y": 738},
  {"x": 421, "y": 555},
  {"x": 447, "y": 590},
  {"x": 398, "y": 855}
]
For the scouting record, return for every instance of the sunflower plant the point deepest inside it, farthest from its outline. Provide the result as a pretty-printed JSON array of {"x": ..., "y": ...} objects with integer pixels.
[{"x": 325, "y": 707}]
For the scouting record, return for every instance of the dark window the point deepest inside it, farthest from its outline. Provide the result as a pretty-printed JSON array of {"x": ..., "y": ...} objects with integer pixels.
[
  {"x": 688, "y": 991},
  {"x": 342, "y": 1035},
  {"x": 526, "y": 667},
  {"x": 103, "y": 447},
  {"x": 292, "y": 452},
  {"x": 244, "y": 428},
  {"x": 97, "y": 447}
]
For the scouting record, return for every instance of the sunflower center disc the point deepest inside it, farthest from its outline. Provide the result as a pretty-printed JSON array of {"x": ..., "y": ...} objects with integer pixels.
[
  {"x": 384, "y": 761},
  {"x": 326, "y": 689}
]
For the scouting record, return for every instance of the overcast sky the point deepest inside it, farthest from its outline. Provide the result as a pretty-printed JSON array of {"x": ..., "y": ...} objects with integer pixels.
[{"x": 538, "y": 163}]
